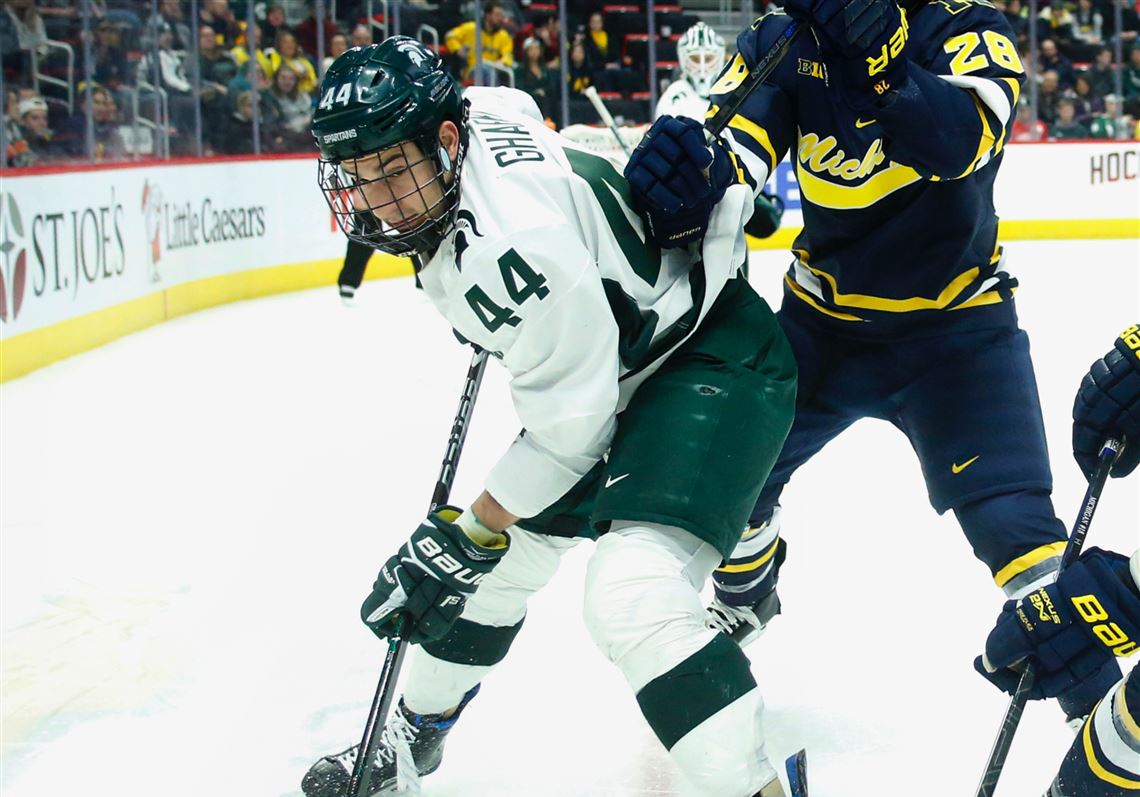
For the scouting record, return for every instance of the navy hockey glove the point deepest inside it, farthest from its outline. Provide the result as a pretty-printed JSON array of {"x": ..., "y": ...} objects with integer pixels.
[
  {"x": 1108, "y": 405},
  {"x": 429, "y": 579},
  {"x": 864, "y": 41},
  {"x": 668, "y": 182},
  {"x": 1070, "y": 631}
]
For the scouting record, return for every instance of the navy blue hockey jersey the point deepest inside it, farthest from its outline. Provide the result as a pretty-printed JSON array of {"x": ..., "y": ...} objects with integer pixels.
[{"x": 897, "y": 203}]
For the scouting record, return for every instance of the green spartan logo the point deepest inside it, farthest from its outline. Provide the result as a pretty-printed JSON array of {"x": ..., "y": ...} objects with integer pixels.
[{"x": 13, "y": 259}]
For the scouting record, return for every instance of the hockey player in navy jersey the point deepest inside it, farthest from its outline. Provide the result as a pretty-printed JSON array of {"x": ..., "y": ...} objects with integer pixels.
[
  {"x": 898, "y": 303},
  {"x": 1092, "y": 613}
]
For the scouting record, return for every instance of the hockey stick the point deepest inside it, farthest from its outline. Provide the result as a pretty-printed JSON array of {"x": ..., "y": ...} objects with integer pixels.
[
  {"x": 360, "y": 783},
  {"x": 1020, "y": 695},
  {"x": 796, "y": 765},
  {"x": 764, "y": 67},
  {"x": 604, "y": 114}
]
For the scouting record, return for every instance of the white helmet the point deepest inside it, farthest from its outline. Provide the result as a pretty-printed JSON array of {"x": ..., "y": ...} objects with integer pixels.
[{"x": 701, "y": 53}]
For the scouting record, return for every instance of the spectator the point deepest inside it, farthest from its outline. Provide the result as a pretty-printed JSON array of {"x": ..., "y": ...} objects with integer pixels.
[
  {"x": 42, "y": 146},
  {"x": 105, "y": 124},
  {"x": 169, "y": 73},
  {"x": 241, "y": 54},
  {"x": 361, "y": 36},
  {"x": 22, "y": 26},
  {"x": 548, "y": 32},
  {"x": 1054, "y": 21},
  {"x": 1018, "y": 17},
  {"x": 218, "y": 15},
  {"x": 1130, "y": 27},
  {"x": 307, "y": 34},
  {"x": 109, "y": 57},
  {"x": 1025, "y": 127},
  {"x": 288, "y": 53},
  {"x": 497, "y": 45},
  {"x": 288, "y": 113},
  {"x": 16, "y": 152},
  {"x": 60, "y": 17},
  {"x": 578, "y": 73},
  {"x": 236, "y": 134},
  {"x": 1047, "y": 96},
  {"x": 1106, "y": 125},
  {"x": 1067, "y": 128},
  {"x": 535, "y": 78},
  {"x": 216, "y": 70},
  {"x": 215, "y": 65},
  {"x": 338, "y": 45},
  {"x": 273, "y": 23},
  {"x": 1086, "y": 31},
  {"x": 1052, "y": 58},
  {"x": 1131, "y": 81},
  {"x": 251, "y": 78},
  {"x": 170, "y": 12},
  {"x": 597, "y": 42},
  {"x": 1101, "y": 73},
  {"x": 1087, "y": 103}
]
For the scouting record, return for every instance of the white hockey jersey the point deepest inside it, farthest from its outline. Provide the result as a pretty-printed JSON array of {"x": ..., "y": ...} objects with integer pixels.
[
  {"x": 681, "y": 99},
  {"x": 548, "y": 268}
]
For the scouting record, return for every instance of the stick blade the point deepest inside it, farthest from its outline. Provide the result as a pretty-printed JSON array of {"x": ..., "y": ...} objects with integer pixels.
[{"x": 796, "y": 766}]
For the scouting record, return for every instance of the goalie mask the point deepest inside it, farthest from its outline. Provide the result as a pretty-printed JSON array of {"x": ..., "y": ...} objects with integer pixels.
[
  {"x": 701, "y": 53},
  {"x": 390, "y": 179}
]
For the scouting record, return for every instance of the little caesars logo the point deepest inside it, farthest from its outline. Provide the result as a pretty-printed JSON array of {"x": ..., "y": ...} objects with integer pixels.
[{"x": 177, "y": 224}]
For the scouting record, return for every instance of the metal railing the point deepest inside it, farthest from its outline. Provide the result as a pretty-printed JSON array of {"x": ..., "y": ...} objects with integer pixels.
[
  {"x": 159, "y": 128},
  {"x": 67, "y": 85}
]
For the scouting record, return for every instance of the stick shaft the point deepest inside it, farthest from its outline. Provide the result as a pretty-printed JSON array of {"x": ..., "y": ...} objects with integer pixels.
[
  {"x": 757, "y": 75},
  {"x": 1020, "y": 697},
  {"x": 604, "y": 114},
  {"x": 360, "y": 783}
]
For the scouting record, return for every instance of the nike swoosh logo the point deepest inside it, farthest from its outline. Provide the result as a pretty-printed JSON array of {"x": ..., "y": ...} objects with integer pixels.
[
  {"x": 612, "y": 480},
  {"x": 956, "y": 468},
  {"x": 860, "y": 124}
]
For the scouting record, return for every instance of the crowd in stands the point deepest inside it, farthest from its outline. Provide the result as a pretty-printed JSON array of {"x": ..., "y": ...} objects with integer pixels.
[
  {"x": 1074, "y": 69},
  {"x": 148, "y": 96}
]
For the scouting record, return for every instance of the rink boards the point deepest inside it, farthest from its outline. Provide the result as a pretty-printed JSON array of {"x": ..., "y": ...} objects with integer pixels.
[{"x": 96, "y": 253}]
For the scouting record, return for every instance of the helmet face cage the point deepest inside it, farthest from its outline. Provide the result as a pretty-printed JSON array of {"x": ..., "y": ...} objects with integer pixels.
[
  {"x": 701, "y": 52},
  {"x": 420, "y": 191}
]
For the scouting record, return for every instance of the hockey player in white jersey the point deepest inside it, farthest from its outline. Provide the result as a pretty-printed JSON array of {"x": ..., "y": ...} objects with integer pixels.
[
  {"x": 701, "y": 52},
  {"x": 654, "y": 388}
]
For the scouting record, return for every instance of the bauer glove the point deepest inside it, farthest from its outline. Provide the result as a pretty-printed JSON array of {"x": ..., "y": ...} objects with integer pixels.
[
  {"x": 1108, "y": 405},
  {"x": 430, "y": 578},
  {"x": 676, "y": 178},
  {"x": 1070, "y": 632}
]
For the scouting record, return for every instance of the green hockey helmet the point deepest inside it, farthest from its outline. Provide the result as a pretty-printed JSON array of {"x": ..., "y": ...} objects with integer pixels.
[{"x": 389, "y": 100}]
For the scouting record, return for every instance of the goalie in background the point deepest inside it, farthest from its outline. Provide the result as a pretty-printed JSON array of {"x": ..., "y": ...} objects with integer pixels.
[{"x": 701, "y": 52}]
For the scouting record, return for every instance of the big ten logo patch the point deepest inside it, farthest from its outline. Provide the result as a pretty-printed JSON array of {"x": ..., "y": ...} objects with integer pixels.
[{"x": 13, "y": 258}]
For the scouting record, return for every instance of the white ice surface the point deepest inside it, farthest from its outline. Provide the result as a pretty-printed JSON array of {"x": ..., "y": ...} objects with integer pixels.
[{"x": 192, "y": 514}]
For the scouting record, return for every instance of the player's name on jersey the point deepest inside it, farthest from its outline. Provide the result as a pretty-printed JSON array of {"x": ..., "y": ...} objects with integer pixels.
[{"x": 510, "y": 142}]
